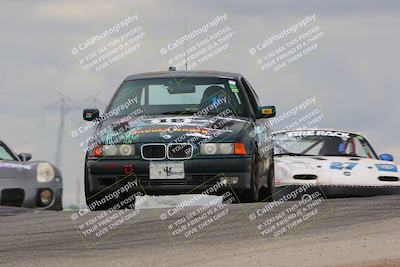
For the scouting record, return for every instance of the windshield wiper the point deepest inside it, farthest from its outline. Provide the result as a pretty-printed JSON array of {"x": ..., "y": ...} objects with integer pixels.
[
  {"x": 179, "y": 112},
  {"x": 292, "y": 154},
  {"x": 342, "y": 155}
]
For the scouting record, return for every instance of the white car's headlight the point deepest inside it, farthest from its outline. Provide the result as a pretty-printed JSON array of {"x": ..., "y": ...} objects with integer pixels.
[{"x": 45, "y": 173}]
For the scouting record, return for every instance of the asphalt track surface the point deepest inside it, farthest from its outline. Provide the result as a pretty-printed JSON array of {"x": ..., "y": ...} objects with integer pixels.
[{"x": 347, "y": 232}]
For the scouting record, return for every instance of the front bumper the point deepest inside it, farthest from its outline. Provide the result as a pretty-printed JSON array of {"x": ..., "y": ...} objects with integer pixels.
[
  {"x": 23, "y": 192},
  {"x": 342, "y": 190},
  {"x": 346, "y": 190},
  {"x": 104, "y": 175}
]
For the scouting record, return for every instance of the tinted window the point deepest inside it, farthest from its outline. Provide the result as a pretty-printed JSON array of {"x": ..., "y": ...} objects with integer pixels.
[{"x": 179, "y": 95}]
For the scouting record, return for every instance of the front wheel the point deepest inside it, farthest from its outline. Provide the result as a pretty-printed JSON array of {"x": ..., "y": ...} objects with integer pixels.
[
  {"x": 251, "y": 195},
  {"x": 271, "y": 184},
  {"x": 267, "y": 192}
]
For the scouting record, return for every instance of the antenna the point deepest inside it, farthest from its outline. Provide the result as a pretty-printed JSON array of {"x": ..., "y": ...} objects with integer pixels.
[{"x": 185, "y": 43}]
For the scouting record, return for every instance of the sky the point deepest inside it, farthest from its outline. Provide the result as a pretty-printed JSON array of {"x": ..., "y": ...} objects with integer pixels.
[{"x": 353, "y": 72}]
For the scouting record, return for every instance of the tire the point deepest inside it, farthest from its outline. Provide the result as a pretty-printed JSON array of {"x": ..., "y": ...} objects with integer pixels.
[
  {"x": 270, "y": 191},
  {"x": 57, "y": 206},
  {"x": 253, "y": 194},
  {"x": 87, "y": 194}
]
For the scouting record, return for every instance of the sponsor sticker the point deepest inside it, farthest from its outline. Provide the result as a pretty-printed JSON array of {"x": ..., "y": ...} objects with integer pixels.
[
  {"x": 233, "y": 86},
  {"x": 386, "y": 167},
  {"x": 14, "y": 166},
  {"x": 342, "y": 165},
  {"x": 319, "y": 133},
  {"x": 160, "y": 130}
]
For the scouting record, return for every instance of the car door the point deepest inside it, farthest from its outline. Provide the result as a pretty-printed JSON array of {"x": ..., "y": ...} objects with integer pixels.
[
  {"x": 261, "y": 127},
  {"x": 262, "y": 133}
]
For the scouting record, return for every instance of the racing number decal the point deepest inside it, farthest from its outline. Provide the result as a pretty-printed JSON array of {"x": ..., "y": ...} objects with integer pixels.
[{"x": 343, "y": 166}]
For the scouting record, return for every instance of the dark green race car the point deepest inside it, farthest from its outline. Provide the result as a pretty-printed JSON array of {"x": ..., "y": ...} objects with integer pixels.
[{"x": 180, "y": 132}]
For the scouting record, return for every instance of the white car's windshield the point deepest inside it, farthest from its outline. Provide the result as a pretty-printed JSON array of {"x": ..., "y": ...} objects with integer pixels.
[{"x": 322, "y": 143}]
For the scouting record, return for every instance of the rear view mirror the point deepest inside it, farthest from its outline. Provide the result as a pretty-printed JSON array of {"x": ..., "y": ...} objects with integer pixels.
[
  {"x": 181, "y": 88},
  {"x": 24, "y": 156},
  {"x": 266, "y": 112},
  {"x": 90, "y": 114},
  {"x": 386, "y": 157}
]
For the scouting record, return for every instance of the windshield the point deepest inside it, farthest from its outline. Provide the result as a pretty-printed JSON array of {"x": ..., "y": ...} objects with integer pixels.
[
  {"x": 5, "y": 154},
  {"x": 178, "y": 96},
  {"x": 322, "y": 143}
]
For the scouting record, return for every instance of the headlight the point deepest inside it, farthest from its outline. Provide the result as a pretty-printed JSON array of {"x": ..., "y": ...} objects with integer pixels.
[
  {"x": 45, "y": 197},
  {"x": 222, "y": 149},
  {"x": 118, "y": 150},
  {"x": 45, "y": 173},
  {"x": 110, "y": 150},
  {"x": 126, "y": 150},
  {"x": 226, "y": 148},
  {"x": 208, "y": 149}
]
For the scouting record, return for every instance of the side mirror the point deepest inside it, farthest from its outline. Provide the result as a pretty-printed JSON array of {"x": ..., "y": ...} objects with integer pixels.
[
  {"x": 90, "y": 114},
  {"x": 386, "y": 157},
  {"x": 24, "y": 156},
  {"x": 266, "y": 112}
]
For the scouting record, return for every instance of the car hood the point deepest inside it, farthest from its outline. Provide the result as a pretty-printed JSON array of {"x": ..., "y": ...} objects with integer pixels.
[
  {"x": 338, "y": 163},
  {"x": 168, "y": 129},
  {"x": 16, "y": 169}
]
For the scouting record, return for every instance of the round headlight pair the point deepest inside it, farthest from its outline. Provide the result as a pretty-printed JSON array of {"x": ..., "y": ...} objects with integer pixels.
[
  {"x": 118, "y": 150},
  {"x": 216, "y": 148},
  {"x": 208, "y": 149}
]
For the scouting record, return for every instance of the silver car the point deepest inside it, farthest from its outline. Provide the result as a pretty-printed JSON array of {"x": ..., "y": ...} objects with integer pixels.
[{"x": 30, "y": 184}]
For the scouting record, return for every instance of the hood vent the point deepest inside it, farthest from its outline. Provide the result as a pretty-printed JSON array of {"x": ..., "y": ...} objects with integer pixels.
[
  {"x": 388, "y": 178},
  {"x": 305, "y": 177}
]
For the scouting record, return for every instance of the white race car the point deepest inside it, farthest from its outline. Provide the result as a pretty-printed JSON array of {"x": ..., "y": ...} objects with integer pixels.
[{"x": 339, "y": 163}]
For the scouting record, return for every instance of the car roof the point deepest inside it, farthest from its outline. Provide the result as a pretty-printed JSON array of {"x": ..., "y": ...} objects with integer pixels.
[
  {"x": 318, "y": 129},
  {"x": 197, "y": 73}
]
